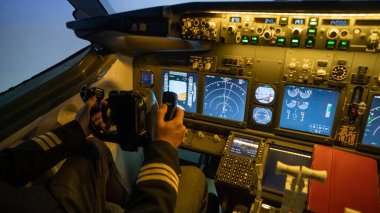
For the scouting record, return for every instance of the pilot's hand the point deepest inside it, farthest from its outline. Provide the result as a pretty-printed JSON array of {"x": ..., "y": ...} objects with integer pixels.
[
  {"x": 83, "y": 117},
  {"x": 172, "y": 131}
]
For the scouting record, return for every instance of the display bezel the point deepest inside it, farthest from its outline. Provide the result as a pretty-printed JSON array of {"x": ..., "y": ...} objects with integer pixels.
[
  {"x": 304, "y": 135},
  {"x": 367, "y": 147},
  {"x": 227, "y": 122}
]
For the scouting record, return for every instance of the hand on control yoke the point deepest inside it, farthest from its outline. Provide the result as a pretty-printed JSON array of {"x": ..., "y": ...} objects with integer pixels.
[
  {"x": 172, "y": 131},
  {"x": 85, "y": 115}
]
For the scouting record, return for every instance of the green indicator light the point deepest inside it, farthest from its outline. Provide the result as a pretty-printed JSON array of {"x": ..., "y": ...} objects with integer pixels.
[
  {"x": 254, "y": 40},
  {"x": 313, "y": 23},
  {"x": 311, "y": 30},
  {"x": 331, "y": 43},
  {"x": 281, "y": 40},
  {"x": 309, "y": 41},
  {"x": 295, "y": 41},
  {"x": 344, "y": 43},
  {"x": 245, "y": 39}
]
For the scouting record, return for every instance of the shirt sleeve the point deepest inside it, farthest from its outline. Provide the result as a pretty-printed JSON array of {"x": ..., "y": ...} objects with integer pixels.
[
  {"x": 156, "y": 188},
  {"x": 35, "y": 156}
]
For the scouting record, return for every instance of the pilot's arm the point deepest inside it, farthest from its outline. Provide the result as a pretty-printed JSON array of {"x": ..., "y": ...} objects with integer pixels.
[
  {"x": 156, "y": 188},
  {"x": 35, "y": 156}
]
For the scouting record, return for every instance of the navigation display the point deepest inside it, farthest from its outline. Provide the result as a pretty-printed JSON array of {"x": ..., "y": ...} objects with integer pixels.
[
  {"x": 244, "y": 147},
  {"x": 308, "y": 109},
  {"x": 264, "y": 94},
  {"x": 372, "y": 129},
  {"x": 286, "y": 155},
  {"x": 225, "y": 97},
  {"x": 185, "y": 85}
]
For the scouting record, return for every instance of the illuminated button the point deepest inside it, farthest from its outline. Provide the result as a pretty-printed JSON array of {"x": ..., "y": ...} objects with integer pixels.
[
  {"x": 283, "y": 21},
  {"x": 311, "y": 32},
  {"x": 280, "y": 41},
  {"x": 330, "y": 44},
  {"x": 295, "y": 42},
  {"x": 343, "y": 45},
  {"x": 309, "y": 43},
  {"x": 244, "y": 39},
  {"x": 254, "y": 40},
  {"x": 313, "y": 22}
]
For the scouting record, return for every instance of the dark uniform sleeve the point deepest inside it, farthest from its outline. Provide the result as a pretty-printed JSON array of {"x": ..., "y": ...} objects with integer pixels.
[
  {"x": 157, "y": 184},
  {"x": 35, "y": 156}
]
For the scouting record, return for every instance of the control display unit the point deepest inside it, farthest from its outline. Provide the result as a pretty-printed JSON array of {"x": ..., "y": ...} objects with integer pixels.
[
  {"x": 244, "y": 147},
  {"x": 185, "y": 85},
  {"x": 276, "y": 182},
  {"x": 225, "y": 97},
  {"x": 371, "y": 134},
  {"x": 237, "y": 166},
  {"x": 308, "y": 109}
]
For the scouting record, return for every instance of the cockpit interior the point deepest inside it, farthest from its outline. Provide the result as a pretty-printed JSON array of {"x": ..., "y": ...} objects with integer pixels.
[{"x": 261, "y": 82}]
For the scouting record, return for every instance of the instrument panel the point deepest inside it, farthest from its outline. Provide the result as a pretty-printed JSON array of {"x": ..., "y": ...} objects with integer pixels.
[{"x": 271, "y": 86}]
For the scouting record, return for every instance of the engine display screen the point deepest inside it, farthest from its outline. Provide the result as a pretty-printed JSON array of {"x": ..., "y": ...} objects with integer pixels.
[
  {"x": 225, "y": 97},
  {"x": 244, "y": 147},
  {"x": 185, "y": 85},
  {"x": 371, "y": 134},
  {"x": 286, "y": 155},
  {"x": 307, "y": 109},
  {"x": 264, "y": 94}
]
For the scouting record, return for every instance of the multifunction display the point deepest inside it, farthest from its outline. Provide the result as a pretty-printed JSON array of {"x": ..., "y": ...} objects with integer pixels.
[
  {"x": 307, "y": 109},
  {"x": 244, "y": 147},
  {"x": 225, "y": 97},
  {"x": 372, "y": 129},
  {"x": 185, "y": 85},
  {"x": 286, "y": 155}
]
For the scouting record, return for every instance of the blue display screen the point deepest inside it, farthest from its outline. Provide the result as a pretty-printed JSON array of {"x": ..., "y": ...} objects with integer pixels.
[
  {"x": 286, "y": 155},
  {"x": 308, "y": 109},
  {"x": 371, "y": 134},
  {"x": 225, "y": 97},
  {"x": 185, "y": 85},
  {"x": 262, "y": 115},
  {"x": 147, "y": 78}
]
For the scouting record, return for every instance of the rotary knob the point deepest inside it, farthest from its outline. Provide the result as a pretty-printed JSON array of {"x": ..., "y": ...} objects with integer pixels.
[
  {"x": 231, "y": 29},
  {"x": 267, "y": 35},
  {"x": 187, "y": 24},
  {"x": 216, "y": 138},
  {"x": 200, "y": 135},
  {"x": 332, "y": 33},
  {"x": 339, "y": 73},
  {"x": 210, "y": 25},
  {"x": 292, "y": 65},
  {"x": 207, "y": 65}
]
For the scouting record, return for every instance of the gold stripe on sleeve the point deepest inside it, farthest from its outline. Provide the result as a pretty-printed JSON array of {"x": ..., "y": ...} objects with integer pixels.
[
  {"x": 158, "y": 177},
  {"x": 48, "y": 140},
  {"x": 54, "y": 137},
  {"x": 42, "y": 143}
]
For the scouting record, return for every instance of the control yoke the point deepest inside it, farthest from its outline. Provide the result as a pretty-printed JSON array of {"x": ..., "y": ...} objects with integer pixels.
[{"x": 129, "y": 116}]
